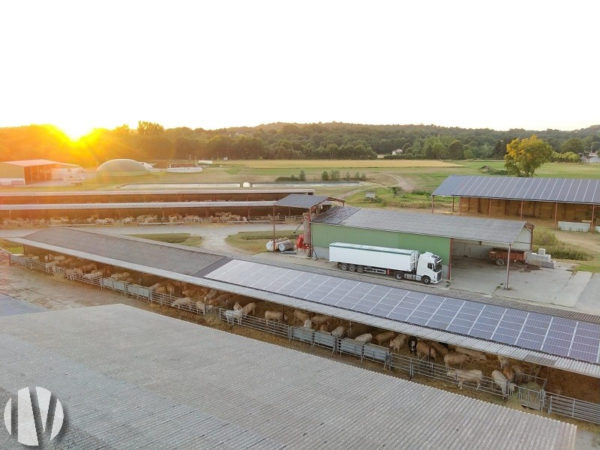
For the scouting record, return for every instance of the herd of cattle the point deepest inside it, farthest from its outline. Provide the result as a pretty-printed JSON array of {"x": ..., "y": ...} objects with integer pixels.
[
  {"x": 143, "y": 219},
  {"x": 235, "y": 308}
]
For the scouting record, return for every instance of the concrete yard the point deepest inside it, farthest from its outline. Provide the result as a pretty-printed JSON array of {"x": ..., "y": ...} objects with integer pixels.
[{"x": 129, "y": 378}]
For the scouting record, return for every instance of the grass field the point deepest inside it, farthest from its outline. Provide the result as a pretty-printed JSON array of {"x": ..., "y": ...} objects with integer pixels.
[
  {"x": 173, "y": 238},
  {"x": 338, "y": 163},
  {"x": 256, "y": 241}
]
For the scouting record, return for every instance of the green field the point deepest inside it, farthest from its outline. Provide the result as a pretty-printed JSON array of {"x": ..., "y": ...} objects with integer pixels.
[{"x": 173, "y": 238}]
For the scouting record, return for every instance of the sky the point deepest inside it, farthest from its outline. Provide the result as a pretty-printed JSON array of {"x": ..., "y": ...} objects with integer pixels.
[{"x": 212, "y": 64}]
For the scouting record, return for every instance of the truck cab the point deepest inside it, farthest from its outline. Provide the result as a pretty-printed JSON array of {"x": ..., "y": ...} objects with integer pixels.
[{"x": 429, "y": 268}]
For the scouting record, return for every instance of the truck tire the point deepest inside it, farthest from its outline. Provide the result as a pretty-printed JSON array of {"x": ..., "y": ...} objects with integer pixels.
[
  {"x": 426, "y": 280},
  {"x": 352, "y": 267},
  {"x": 360, "y": 269},
  {"x": 344, "y": 266},
  {"x": 499, "y": 262},
  {"x": 399, "y": 275}
]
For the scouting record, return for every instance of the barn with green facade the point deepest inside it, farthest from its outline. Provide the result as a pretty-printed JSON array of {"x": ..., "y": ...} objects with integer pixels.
[{"x": 445, "y": 235}]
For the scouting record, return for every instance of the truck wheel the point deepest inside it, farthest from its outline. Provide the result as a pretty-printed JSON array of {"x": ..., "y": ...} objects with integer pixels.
[
  {"x": 352, "y": 268},
  {"x": 344, "y": 266},
  {"x": 499, "y": 262},
  {"x": 360, "y": 269},
  {"x": 426, "y": 280},
  {"x": 399, "y": 276}
]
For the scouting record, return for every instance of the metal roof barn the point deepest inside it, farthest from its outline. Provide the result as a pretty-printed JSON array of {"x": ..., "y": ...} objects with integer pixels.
[
  {"x": 137, "y": 205},
  {"x": 567, "y": 199},
  {"x": 302, "y": 201},
  {"x": 133, "y": 255},
  {"x": 563, "y": 190},
  {"x": 134, "y": 379}
]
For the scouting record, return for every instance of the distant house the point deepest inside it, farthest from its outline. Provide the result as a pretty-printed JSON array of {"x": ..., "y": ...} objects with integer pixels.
[
  {"x": 397, "y": 152},
  {"x": 38, "y": 170}
]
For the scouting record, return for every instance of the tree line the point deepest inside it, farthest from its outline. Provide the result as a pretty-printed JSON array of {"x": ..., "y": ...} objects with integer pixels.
[{"x": 152, "y": 142}]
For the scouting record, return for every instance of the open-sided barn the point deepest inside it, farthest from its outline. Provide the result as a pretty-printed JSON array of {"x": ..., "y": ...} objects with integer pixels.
[{"x": 545, "y": 198}]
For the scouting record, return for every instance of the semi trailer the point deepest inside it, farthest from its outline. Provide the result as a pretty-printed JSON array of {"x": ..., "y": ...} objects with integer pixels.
[{"x": 400, "y": 263}]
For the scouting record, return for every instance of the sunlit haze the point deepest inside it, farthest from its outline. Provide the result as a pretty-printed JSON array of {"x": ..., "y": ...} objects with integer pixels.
[{"x": 86, "y": 64}]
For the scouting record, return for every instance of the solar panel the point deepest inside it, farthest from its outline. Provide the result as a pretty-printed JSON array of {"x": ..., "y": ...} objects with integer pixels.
[{"x": 530, "y": 330}]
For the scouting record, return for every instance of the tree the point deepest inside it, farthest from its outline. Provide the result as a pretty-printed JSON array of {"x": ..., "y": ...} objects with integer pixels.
[
  {"x": 456, "y": 150},
  {"x": 149, "y": 128},
  {"x": 574, "y": 145},
  {"x": 325, "y": 176},
  {"x": 523, "y": 156}
]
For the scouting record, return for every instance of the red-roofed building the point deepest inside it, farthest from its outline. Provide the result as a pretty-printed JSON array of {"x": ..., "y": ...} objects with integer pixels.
[{"x": 33, "y": 171}]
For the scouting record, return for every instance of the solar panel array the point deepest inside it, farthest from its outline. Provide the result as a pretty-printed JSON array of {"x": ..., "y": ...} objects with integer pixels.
[{"x": 533, "y": 331}]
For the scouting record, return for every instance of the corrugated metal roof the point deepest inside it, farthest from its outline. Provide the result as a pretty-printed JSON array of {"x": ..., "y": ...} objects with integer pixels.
[
  {"x": 563, "y": 190},
  {"x": 31, "y": 162},
  {"x": 302, "y": 201},
  {"x": 166, "y": 191},
  {"x": 137, "y": 205},
  {"x": 134, "y": 379},
  {"x": 509, "y": 351},
  {"x": 456, "y": 227},
  {"x": 171, "y": 257}
]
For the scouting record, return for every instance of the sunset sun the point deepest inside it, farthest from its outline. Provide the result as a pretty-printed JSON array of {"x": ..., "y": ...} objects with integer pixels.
[{"x": 74, "y": 130}]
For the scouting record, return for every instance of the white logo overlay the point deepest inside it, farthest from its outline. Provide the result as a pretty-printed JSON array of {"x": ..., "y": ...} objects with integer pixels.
[{"x": 27, "y": 431}]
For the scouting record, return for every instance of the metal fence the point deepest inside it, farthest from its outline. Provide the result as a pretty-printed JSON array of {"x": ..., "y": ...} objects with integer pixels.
[{"x": 411, "y": 366}]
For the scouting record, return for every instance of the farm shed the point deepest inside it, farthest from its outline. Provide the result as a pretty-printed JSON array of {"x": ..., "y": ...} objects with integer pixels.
[
  {"x": 147, "y": 195},
  {"x": 306, "y": 289},
  {"x": 30, "y": 171},
  {"x": 445, "y": 235},
  {"x": 545, "y": 198},
  {"x": 133, "y": 378}
]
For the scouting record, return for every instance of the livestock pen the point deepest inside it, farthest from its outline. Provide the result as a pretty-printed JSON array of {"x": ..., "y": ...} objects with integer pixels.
[{"x": 414, "y": 368}]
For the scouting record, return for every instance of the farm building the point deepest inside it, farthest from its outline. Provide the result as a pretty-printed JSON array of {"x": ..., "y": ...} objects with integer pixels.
[
  {"x": 133, "y": 378},
  {"x": 545, "y": 198},
  {"x": 36, "y": 171},
  {"x": 445, "y": 235},
  {"x": 122, "y": 168}
]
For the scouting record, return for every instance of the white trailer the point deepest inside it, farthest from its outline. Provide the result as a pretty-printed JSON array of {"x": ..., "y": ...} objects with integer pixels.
[{"x": 400, "y": 263}]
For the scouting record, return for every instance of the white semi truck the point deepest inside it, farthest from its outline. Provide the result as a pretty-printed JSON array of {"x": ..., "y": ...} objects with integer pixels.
[{"x": 402, "y": 264}]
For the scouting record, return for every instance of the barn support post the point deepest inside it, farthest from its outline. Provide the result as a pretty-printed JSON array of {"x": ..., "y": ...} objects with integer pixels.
[
  {"x": 432, "y": 203},
  {"x": 521, "y": 212},
  {"x": 593, "y": 218},
  {"x": 508, "y": 266},
  {"x": 489, "y": 207},
  {"x": 450, "y": 259},
  {"x": 555, "y": 214},
  {"x": 273, "y": 218},
  {"x": 453, "y": 204}
]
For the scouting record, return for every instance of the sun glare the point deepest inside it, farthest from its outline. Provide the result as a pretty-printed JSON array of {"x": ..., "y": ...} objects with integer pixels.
[{"x": 75, "y": 131}]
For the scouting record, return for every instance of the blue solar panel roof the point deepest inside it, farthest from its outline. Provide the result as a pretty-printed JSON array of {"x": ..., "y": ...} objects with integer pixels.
[{"x": 529, "y": 330}]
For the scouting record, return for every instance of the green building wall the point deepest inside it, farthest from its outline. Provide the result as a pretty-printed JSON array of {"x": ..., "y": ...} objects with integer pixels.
[{"x": 324, "y": 234}]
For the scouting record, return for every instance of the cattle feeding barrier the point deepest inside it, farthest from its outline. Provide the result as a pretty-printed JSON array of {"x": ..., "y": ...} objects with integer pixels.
[{"x": 533, "y": 398}]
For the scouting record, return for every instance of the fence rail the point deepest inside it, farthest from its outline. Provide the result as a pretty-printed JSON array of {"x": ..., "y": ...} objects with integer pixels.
[{"x": 413, "y": 367}]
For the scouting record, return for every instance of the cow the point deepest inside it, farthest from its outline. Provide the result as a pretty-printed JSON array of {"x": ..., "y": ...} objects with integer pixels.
[
  {"x": 301, "y": 316},
  {"x": 455, "y": 359},
  {"x": 412, "y": 345},
  {"x": 250, "y": 308},
  {"x": 307, "y": 324},
  {"x": 474, "y": 375},
  {"x": 504, "y": 361},
  {"x": 277, "y": 316},
  {"x": 339, "y": 332},
  {"x": 324, "y": 329},
  {"x": 503, "y": 383},
  {"x": 200, "y": 307},
  {"x": 237, "y": 306},
  {"x": 441, "y": 349},
  {"x": 319, "y": 319},
  {"x": 425, "y": 349},
  {"x": 364, "y": 338},
  {"x": 520, "y": 374},
  {"x": 185, "y": 301},
  {"x": 509, "y": 373},
  {"x": 232, "y": 316},
  {"x": 475, "y": 355},
  {"x": 383, "y": 338},
  {"x": 398, "y": 342}
]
